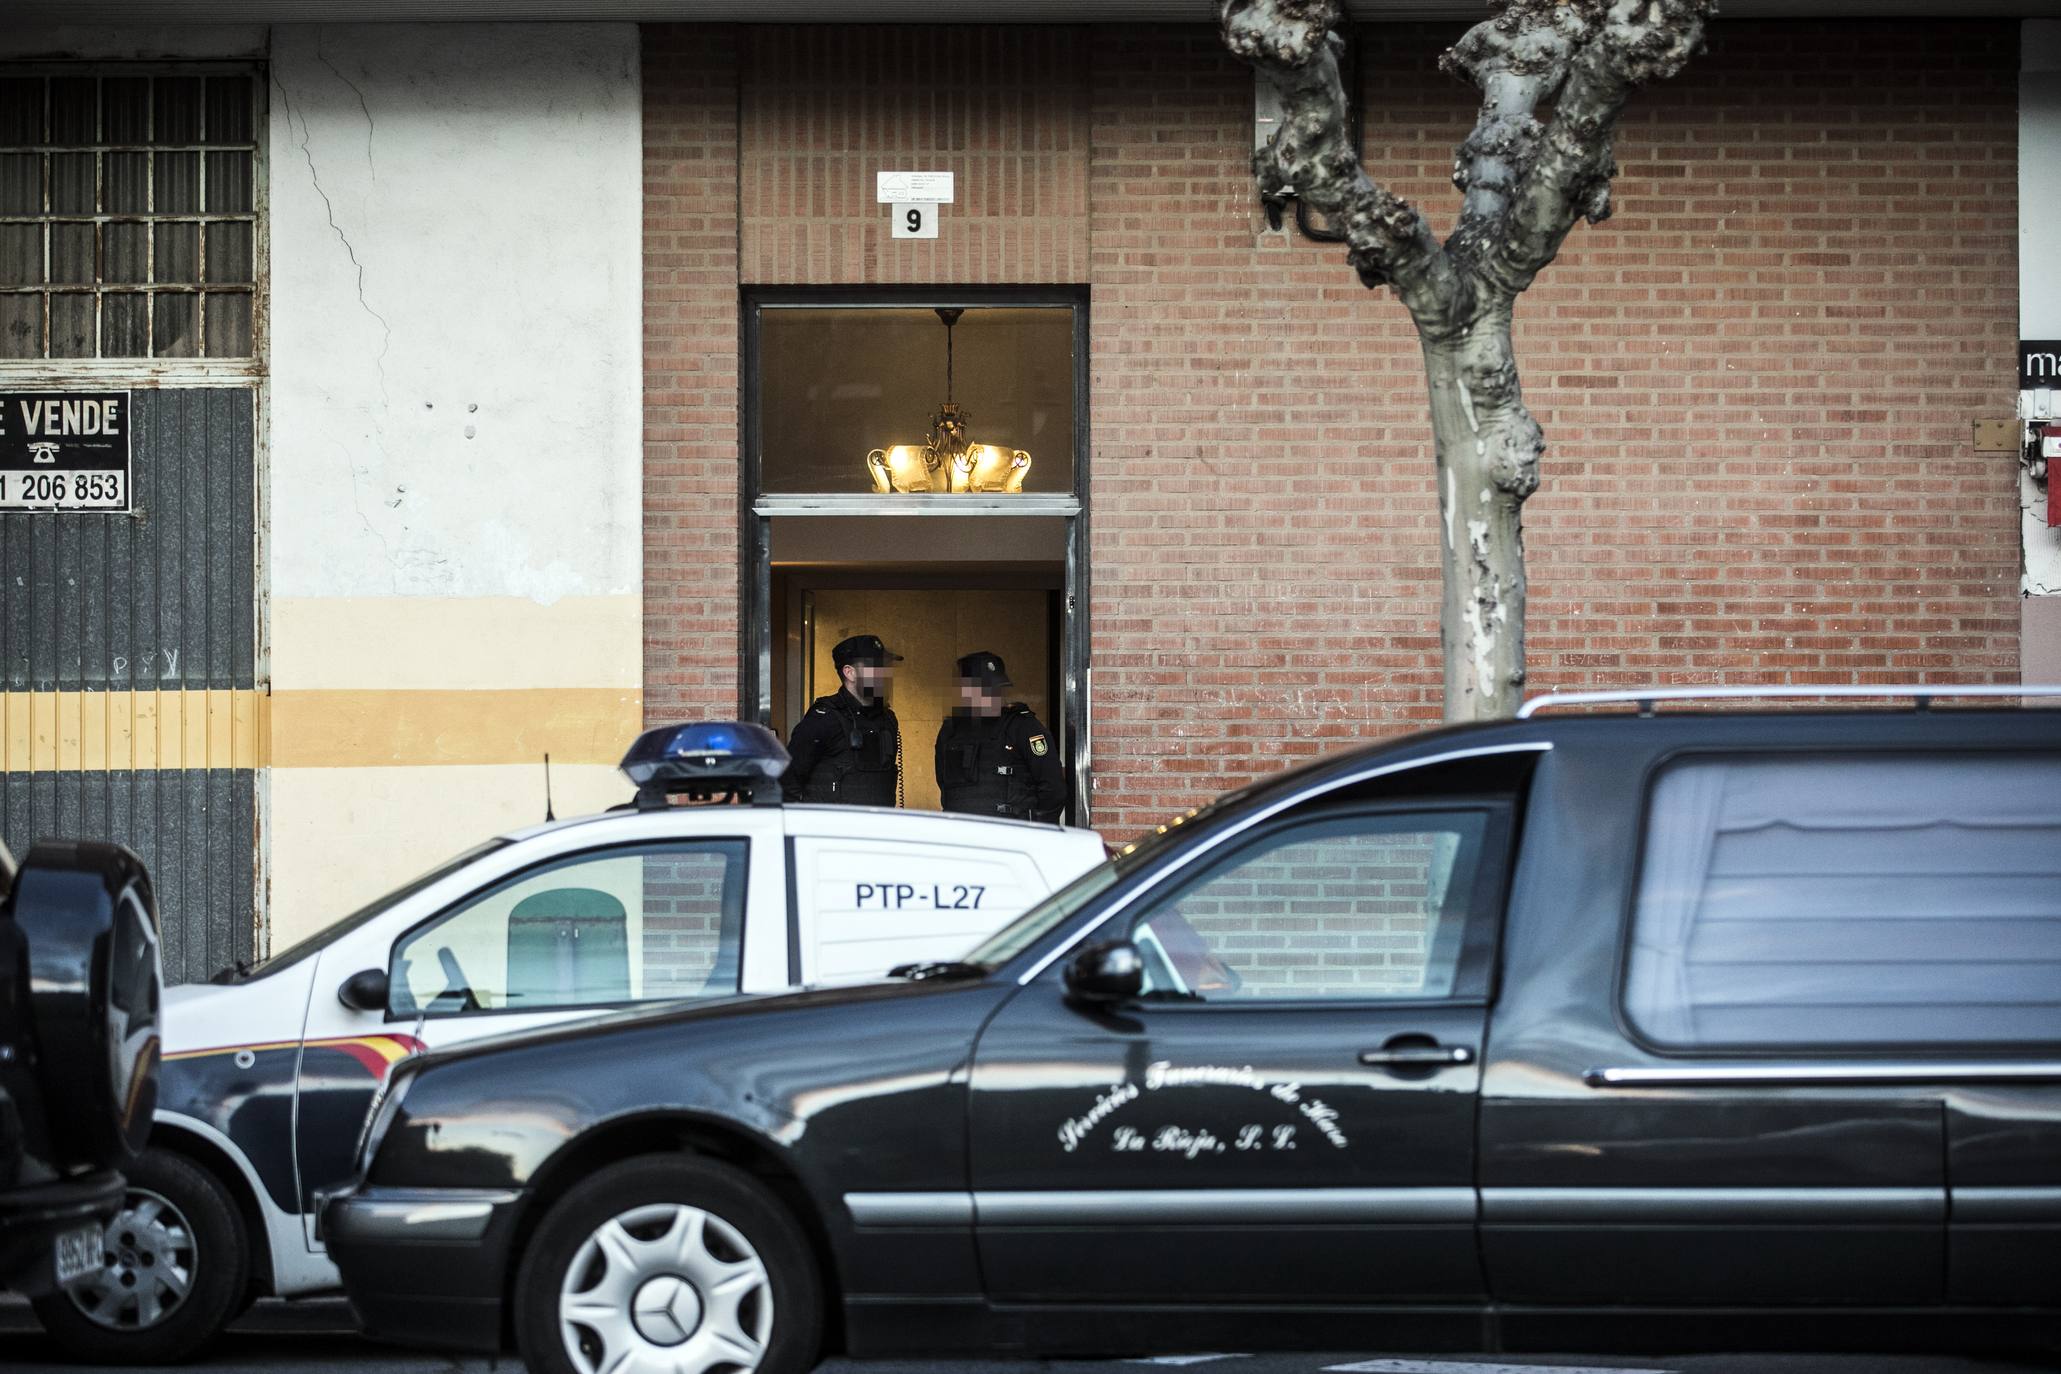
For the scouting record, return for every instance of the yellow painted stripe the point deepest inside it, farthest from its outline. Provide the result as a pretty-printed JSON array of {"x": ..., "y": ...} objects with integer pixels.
[
  {"x": 95, "y": 732},
  {"x": 345, "y": 729},
  {"x": 118, "y": 731}
]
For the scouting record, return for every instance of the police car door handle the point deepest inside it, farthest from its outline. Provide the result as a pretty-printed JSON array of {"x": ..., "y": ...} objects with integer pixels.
[{"x": 1417, "y": 1056}]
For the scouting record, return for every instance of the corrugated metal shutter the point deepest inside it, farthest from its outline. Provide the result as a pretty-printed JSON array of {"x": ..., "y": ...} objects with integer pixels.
[{"x": 151, "y": 621}]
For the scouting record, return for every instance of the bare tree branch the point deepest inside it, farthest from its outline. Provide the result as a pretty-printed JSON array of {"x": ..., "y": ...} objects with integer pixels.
[
  {"x": 1524, "y": 185},
  {"x": 1589, "y": 56},
  {"x": 1311, "y": 156},
  {"x": 1518, "y": 60}
]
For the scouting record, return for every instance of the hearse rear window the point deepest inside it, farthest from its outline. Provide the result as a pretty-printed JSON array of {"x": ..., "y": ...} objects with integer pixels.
[{"x": 1826, "y": 901}]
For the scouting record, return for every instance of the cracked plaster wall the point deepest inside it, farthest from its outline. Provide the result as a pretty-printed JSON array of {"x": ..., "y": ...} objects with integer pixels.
[
  {"x": 455, "y": 230},
  {"x": 455, "y": 448}
]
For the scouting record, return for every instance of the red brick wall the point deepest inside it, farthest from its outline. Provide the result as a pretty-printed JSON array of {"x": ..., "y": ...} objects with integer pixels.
[
  {"x": 1757, "y": 380},
  {"x": 1003, "y": 109},
  {"x": 690, "y": 372},
  {"x": 682, "y": 930}
]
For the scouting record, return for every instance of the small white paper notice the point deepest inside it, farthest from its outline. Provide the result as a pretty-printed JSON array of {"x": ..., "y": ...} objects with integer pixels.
[{"x": 900, "y": 188}]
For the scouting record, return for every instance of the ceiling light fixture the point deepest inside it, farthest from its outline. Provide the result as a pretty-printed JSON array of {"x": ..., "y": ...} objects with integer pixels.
[{"x": 947, "y": 460}]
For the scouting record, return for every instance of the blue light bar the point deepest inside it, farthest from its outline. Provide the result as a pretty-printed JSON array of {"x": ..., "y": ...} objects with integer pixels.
[{"x": 706, "y": 754}]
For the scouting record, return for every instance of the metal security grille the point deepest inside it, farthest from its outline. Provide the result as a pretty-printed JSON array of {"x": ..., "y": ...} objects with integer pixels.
[
  {"x": 128, "y": 685},
  {"x": 195, "y": 830},
  {"x": 128, "y": 214}
]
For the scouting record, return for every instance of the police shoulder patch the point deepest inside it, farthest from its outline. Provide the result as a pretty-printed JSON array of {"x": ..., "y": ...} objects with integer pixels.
[{"x": 1039, "y": 745}]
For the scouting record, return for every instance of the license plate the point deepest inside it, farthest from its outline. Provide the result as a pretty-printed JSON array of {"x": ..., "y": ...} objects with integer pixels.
[{"x": 79, "y": 1253}]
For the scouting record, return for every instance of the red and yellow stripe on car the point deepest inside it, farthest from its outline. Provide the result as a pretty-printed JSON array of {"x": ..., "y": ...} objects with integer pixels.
[{"x": 376, "y": 1053}]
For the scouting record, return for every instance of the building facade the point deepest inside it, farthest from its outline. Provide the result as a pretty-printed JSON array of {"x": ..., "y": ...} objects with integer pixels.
[{"x": 523, "y": 391}]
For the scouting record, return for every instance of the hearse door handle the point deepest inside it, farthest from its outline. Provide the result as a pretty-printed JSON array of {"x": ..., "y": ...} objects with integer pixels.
[{"x": 1414, "y": 1054}]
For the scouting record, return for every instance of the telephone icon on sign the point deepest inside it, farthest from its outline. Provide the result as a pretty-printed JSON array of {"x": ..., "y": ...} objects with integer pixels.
[{"x": 43, "y": 453}]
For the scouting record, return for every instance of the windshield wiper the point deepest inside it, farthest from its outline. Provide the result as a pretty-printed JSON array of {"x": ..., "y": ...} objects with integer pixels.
[{"x": 937, "y": 968}]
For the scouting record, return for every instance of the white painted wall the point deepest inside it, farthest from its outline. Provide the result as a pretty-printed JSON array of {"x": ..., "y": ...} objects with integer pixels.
[
  {"x": 455, "y": 441},
  {"x": 456, "y": 219},
  {"x": 2039, "y": 276}
]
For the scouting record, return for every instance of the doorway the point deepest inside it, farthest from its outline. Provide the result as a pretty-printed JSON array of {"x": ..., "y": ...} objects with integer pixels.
[
  {"x": 856, "y": 407},
  {"x": 931, "y": 618}
]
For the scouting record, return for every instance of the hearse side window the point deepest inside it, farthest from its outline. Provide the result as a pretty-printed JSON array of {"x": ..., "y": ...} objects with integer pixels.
[
  {"x": 635, "y": 923},
  {"x": 1825, "y": 901},
  {"x": 1354, "y": 908}
]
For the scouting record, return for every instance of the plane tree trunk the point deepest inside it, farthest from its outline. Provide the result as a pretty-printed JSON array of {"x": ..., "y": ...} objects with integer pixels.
[
  {"x": 1486, "y": 447},
  {"x": 1526, "y": 182}
]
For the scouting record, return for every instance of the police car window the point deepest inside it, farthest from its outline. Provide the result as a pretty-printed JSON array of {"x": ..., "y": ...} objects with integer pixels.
[
  {"x": 637, "y": 923},
  {"x": 1350, "y": 909},
  {"x": 1825, "y": 901},
  {"x": 379, "y": 907}
]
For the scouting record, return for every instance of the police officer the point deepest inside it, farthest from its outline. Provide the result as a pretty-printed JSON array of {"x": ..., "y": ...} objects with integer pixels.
[
  {"x": 848, "y": 747},
  {"x": 994, "y": 758}
]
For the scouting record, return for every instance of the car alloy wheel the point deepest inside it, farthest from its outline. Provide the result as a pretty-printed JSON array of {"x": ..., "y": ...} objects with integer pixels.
[
  {"x": 150, "y": 1256},
  {"x": 177, "y": 1270},
  {"x": 666, "y": 1286}
]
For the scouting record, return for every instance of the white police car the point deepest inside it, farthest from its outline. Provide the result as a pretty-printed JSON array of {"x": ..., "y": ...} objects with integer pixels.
[{"x": 268, "y": 1074}]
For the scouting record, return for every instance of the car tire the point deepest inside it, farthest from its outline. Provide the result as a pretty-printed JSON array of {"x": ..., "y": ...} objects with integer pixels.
[
  {"x": 673, "y": 1255},
  {"x": 176, "y": 1218}
]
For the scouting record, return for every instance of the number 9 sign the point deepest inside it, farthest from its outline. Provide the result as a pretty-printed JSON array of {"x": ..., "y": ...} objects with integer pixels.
[{"x": 914, "y": 221}]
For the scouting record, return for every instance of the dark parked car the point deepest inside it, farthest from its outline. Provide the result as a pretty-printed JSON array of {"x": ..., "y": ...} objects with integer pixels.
[
  {"x": 1653, "y": 1030},
  {"x": 80, "y": 983}
]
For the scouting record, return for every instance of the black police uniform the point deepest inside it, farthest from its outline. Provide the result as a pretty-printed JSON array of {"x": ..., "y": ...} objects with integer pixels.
[
  {"x": 1002, "y": 765},
  {"x": 843, "y": 750}
]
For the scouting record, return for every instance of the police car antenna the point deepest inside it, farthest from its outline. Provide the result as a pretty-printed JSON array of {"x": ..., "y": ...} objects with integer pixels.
[{"x": 548, "y": 817}]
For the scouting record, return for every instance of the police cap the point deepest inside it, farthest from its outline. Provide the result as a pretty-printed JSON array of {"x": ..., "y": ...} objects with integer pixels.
[
  {"x": 863, "y": 649},
  {"x": 986, "y": 669}
]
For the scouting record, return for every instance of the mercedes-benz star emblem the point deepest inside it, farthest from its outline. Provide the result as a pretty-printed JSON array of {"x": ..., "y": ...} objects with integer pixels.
[{"x": 667, "y": 1310}]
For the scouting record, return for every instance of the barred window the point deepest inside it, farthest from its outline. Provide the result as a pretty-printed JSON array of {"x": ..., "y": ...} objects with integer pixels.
[{"x": 128, "y": 214}]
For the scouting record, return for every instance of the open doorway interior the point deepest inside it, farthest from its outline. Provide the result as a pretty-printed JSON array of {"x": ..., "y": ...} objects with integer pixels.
[
  {"x": 914, "y": 460},
  {"x": 930, "y": 609}
]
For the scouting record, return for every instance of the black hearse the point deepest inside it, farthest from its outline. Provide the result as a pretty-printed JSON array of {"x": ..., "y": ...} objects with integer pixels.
[{"x": 1653, "y": 1029}]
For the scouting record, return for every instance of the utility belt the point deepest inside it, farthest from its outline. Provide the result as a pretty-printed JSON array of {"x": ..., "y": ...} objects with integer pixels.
[{"x": 996, "y": 790}]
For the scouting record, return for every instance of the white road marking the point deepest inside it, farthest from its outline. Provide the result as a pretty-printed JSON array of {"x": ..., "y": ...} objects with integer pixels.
[
  {"x": 1187, "y": 1359},
  {"x": 1463, "y": 1367}
]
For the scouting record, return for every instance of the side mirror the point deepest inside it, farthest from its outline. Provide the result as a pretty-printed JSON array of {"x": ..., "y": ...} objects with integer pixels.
[
  {"x": 364, "y": 990},
  {"x": 1110, "y": 971}
]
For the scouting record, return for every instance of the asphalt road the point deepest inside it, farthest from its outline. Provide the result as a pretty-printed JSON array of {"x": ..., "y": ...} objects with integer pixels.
[
  {"x": 259, "y": 1354},
  {"x": 310, "y": 1337}
]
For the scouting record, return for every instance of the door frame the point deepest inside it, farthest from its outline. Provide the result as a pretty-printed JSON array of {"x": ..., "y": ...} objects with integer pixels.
[{"x": 755, "y": 510}]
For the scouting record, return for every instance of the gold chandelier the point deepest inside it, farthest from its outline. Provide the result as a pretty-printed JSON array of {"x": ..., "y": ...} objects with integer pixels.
[{"x": 947, "y": 460}]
